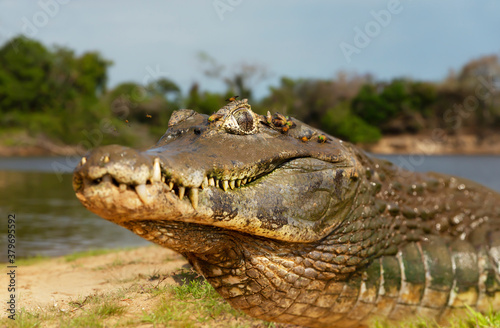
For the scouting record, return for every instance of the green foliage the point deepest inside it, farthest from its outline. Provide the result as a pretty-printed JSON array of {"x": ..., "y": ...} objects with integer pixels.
[
  {"x": 51, "y": 91},
  {"x": 399, "y": 103},
  {"x": 204, "y": 102},
  {"x": 323, "y": 104},
  {"x": 133, "y": 102},
  {"x": 423, "y": 96},
  {"x": 378, "y": 107},
  {"x": 342, "y": 123},
  {"x": 55, "y": 93},
  {"x": 24, "y": 67}
]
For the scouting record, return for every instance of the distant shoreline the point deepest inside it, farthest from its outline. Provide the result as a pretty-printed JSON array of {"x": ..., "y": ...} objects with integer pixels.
[{"x": 466, "y": 144}]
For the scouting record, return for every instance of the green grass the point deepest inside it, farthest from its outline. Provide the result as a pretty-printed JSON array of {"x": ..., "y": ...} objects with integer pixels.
[
  {"x": 68, "y": 258},
  {"x": 479, "y": 320},
  {"x": 89, "y": 311},
  {"x": 31, "y": 260},
  {"x": 93, "y": 252},
  {"x": 472, "y": 319},
  {"x": 192, "y": 303},
  {"x": 25, "y": 319}
]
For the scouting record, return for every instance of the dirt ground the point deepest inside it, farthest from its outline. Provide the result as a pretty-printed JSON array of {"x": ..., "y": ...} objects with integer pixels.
[
  {"x": 426, "y": 145},
  {"x": 56, "y": 282},
  {"x": 58, "y": 291}
]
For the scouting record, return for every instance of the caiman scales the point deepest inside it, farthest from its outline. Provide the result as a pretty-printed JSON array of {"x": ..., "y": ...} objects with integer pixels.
[{"x": 292, "y": 225}]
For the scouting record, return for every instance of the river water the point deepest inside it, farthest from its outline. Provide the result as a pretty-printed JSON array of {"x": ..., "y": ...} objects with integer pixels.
[{"x": 51, "y": 221}]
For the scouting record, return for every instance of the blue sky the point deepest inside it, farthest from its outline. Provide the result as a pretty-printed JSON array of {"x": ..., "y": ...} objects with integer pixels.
[{"x": 417, "y": 39}]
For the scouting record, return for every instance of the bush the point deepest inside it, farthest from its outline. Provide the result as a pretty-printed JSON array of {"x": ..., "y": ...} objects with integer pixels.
[{"x": 342, "y": 123}]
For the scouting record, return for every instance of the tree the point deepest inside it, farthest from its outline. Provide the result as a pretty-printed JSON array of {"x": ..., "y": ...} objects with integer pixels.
[
  {"x": 477, "y": 78},
  {"x": 204, "y": 102},
  {"x": 92, "y": 74},
  {"x": 241, "y": 81},
  {"x": 24, "y": 67},
  {"x": 395, "y": 107}
]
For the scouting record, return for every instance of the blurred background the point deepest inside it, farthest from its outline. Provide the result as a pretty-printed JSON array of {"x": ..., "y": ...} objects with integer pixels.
[{"x": 394, "y": 77}]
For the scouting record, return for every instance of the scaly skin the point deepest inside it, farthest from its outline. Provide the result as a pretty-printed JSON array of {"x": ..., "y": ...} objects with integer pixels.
[{"x": 292, "y": 225}]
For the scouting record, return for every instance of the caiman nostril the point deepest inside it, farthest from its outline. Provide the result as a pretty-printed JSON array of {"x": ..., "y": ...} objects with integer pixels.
[{"x": 107, "y": 178}]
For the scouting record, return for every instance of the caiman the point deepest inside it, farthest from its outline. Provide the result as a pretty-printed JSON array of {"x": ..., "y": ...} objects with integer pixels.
[{"x": 292, "y": 225}]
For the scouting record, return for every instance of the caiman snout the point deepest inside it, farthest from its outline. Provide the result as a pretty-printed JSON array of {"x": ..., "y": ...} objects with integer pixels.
[
  {"x": 123, "y": 164},
  {"x": 110, "y": 172}
]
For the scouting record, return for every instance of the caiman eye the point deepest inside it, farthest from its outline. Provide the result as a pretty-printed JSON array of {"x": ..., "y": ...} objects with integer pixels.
[
  {"x": 244, "y": 119},
  {"x": 241, "y": 121}
]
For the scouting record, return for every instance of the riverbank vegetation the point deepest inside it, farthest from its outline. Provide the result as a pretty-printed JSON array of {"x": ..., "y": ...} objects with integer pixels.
[{"x": 53, "y": 93}]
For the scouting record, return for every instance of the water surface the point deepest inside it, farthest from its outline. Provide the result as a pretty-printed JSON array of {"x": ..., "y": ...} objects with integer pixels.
[{"x": 50, "y": 220}]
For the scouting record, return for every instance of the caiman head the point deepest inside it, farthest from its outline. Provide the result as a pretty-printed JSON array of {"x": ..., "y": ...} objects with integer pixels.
[
  {"x": 222, "y": 189},
  {"x": 263, "y": 176}
]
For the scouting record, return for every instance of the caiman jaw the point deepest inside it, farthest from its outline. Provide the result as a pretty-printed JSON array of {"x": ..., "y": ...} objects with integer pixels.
[
  {"x": 98, "y": 175},
  {"x": 144, "y": 191}
]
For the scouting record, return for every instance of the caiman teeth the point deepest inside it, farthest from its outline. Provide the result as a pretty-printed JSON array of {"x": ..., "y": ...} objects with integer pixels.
[
  {"x": 83, "y": 161},
  {"x": 182, "y": 190},
  {"x": 205, "y": 183},
  {"x": 123, "y": 187},
  {"x": 193, "y": 197},
  {"x": 143, "y": 193},
  {"x": 107, "y": 178},
  {"x": 171, "y": 185},
  {"x": 156, "y": 171},
  {"x": 226, "y": 184}
]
